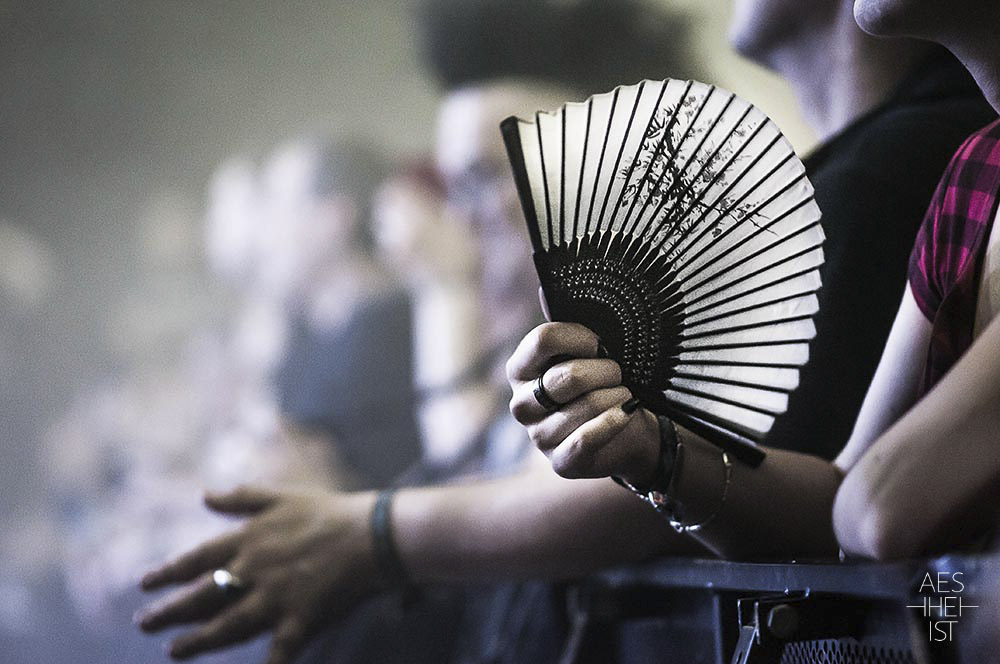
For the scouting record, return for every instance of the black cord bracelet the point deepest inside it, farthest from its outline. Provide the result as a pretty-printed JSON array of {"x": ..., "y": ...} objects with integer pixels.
[{"x": 387, "y": 559}]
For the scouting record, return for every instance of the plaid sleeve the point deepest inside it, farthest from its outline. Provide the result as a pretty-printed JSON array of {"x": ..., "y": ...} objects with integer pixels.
[
  {"x": 946, "y": 235},
  {"x": 923, "y": 277}
]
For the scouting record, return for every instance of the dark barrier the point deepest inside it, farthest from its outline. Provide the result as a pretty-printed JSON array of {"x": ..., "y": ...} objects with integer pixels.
[{"x": 937, "y": 611}]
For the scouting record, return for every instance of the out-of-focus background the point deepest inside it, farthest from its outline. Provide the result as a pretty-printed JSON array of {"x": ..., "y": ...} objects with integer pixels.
[{"x": 124, "y": 128}]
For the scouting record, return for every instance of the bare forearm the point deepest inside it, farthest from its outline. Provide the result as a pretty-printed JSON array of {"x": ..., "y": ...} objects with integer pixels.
[
  {"x": 782, "y": 508},
  {"x": 533, "y": 525},
  {"x": 928, "y": 471}
]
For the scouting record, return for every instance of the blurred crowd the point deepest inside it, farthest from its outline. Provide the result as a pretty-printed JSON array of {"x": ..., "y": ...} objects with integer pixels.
[{"x": 332, "y": 317}]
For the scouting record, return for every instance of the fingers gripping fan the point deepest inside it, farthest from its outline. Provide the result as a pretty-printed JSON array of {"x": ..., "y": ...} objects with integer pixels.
[{"x": 674, "y": 220}]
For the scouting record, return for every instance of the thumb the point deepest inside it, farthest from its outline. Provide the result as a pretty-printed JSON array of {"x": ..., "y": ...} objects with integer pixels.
[{"x": 241, "y": 500}]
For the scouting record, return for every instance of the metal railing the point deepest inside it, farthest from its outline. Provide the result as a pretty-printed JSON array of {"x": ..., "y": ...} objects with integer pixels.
[{"x": 692, "y": 611}]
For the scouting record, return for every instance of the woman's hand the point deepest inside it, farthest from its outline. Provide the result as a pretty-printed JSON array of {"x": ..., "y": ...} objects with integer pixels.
[
  {"x": 596, "y": 431},
  {"x": 303, "y": 559}
]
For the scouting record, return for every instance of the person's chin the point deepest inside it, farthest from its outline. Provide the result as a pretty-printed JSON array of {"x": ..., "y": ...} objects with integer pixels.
[
  {"x": 742, "y": 41},
  {"x": 758, "y": 42},
  {"x": 879, "y": 17}
]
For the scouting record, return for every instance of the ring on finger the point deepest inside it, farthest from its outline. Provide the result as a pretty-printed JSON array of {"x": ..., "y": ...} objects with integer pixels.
[
  {"x": 227, "y": 582},
  {"x": 543, "y": 397}
]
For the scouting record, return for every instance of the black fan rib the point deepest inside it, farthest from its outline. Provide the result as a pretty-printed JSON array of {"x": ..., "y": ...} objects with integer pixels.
[
  {"x": 600, "y": 164},
  {"x": 511, "y": 132},
  {"x": 583, "y": 163},
  {"x": 621, "y": 149},
  {"x": 658, "y": 149},
  {"x": 545, "y": 179}
]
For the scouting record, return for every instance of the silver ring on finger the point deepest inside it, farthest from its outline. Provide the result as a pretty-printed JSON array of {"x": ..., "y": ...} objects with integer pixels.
[
  {"x": 227, "y": 582},
  {"x": 543, "y": 397}
]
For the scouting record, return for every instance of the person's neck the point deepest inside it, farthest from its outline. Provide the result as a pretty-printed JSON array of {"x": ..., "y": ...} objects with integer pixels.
[
  {"x": 839, "y": 73},
  {"x": 982, "y": 59}
]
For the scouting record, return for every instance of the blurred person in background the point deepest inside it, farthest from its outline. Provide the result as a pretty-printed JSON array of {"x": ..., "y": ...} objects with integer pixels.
[
  {"x": 437, "y": 259},
  {"x": 317, "y": 318},
  {"x": 204, "y": 398},
  {"x": 889, "y": 113},
  {"x": 495, "y": 59},
  {"x": 346, "y": 373},
  {"x": 237, "y": 356},
  {"x": 454, "y": 277}
]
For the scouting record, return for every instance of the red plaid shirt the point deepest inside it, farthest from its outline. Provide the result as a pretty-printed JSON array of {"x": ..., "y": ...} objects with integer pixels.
[{"x": 947, "y": 258}]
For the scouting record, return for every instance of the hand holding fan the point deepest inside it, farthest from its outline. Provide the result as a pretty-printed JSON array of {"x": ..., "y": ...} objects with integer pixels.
[{"x": 674, "y": 220}]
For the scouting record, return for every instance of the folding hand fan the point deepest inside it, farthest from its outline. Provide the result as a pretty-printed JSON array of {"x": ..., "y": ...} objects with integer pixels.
[{"x": 674, "y": 220}]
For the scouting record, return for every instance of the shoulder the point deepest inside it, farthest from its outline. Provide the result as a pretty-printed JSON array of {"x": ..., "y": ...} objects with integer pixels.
[
  {"x": 970, "y": 183},
  {"x": 980, "y": 151},
  {"x": 956, "y": 222},
  {"x": 893, "y": 157},
  {"x": 930, "y": 132}
]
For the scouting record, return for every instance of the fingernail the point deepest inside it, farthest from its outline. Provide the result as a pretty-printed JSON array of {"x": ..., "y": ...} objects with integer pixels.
[
  {"x": 631, "y": 405},
  {"x": 602, "y": 350}
]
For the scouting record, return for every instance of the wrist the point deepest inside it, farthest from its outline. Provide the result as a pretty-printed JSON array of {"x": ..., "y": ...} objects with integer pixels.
[
  {"x": 356, "y": 506},
  {"x": 646, "y": 464},
  {"x": 654, "y": 488},
  {"x": 704, "y": 502},
  {"x": 388, "y": 563}
]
